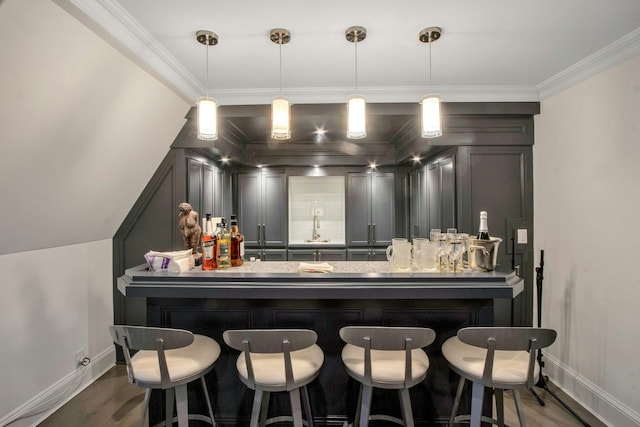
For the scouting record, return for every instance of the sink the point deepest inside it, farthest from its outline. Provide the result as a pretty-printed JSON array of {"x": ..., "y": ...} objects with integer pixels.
[{"x": 316, "y": 241}]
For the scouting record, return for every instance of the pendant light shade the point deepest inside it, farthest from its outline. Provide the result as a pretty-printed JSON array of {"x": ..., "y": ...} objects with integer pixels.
[
  {"x": 280, "y": 106},
  {"x": 207, "y": 107},
  {"x": 430, "y": 104},
  {"x": 431, "y": 118},
  {"x": 356, "y": 104},
  {"x": 356, "y": 113},
  {"x": 280, "y": 118},
  {"x": 207, "y": 119}
]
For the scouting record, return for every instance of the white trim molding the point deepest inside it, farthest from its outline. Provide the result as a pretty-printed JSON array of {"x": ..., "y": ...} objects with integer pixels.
[
  {"x": 53, "y": 398},
  {"x": 600, "y": 403},
  {"x": 616, "y": 53}
]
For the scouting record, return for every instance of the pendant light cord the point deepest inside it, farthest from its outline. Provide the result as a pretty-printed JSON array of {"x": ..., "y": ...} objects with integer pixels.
[
  {"x": 430, "y": 73},
  {"x": 206, "y": 45},
  {"x": 355, "y": 39},
  {"x": 280, "y": 49}
]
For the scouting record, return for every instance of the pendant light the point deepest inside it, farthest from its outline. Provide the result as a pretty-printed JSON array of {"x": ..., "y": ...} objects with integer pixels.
[
  {"x": 356, "y": 105},
  {"x": 207, "y": 107},
  {"x": 431, "y": 115},
  {"x": 280, "y": 106}
]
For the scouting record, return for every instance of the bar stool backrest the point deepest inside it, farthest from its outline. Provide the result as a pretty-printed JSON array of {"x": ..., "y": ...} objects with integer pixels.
[
  {"x": 270, "y": 341},
  {"x": 508, "y": 339},
  {"x": 148, "y": 338},
  {"x": 387, "y": 338}
]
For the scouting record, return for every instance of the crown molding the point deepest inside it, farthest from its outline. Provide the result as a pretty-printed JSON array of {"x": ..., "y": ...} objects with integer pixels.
[
  {"x": 385, "y": 94},
  {"x": 617, "y": 52},
  {"x": 111, "y": 21}
]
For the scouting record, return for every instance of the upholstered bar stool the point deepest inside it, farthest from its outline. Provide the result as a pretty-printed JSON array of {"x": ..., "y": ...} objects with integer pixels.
[
  {"x": 386, "y": 358},
  {"x": 167, "y": 359},
  {"x": 277, "y": 360},
  {"x": 499, "y": 358}
]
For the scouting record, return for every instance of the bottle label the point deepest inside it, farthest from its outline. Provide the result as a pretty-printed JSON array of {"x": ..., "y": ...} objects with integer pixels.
[
  {"x": 207, "y": 249},
  {"x": 224, "y": 249},
  {"x": 242, "y": 249}
]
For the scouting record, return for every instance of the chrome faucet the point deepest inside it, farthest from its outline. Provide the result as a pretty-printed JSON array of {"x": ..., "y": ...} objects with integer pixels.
[{"x": 316, "y": 224}]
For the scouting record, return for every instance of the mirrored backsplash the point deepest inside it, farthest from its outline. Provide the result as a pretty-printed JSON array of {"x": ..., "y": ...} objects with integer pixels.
[{"x": 316, "y": 209}]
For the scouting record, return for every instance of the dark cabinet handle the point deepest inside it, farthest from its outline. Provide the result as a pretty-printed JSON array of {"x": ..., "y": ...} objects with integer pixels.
[{"x": 373, "y": 235}]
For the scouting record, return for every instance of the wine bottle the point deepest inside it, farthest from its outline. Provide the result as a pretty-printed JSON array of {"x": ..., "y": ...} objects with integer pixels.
[
  {"x": 224, "y": 243},
  {"x": 237, "y": 243},
  {"x": 208, "y": 246},
  {"x": 483, "y": 230}
]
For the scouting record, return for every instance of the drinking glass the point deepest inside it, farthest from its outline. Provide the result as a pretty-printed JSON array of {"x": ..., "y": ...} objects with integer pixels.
[
  {"x": 433, "y": 235},
  {"x": 455, "y": 255}
]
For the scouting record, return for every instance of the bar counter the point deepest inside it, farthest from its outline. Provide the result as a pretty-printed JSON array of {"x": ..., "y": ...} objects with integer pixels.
[
  {"x": 277, "y": 295},
  {"x": 349, "y": 279}
]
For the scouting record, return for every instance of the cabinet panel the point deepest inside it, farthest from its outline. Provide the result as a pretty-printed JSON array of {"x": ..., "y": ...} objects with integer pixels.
[
  {"x": 274, "y": 208},
  {"x": 383, "y": 208},
  {"x": 358, "y": 209},
  {"x": 194, "y": 185},
  {"x": 370, "y": 208},
  {"x": 499, "y": 180},
  {"x": 317, "y": 255},
  {"x": 419, "y": 226},
  {"x": 219, "y": 194},
  {"x": 448, "y": 193},
  {"x": 441, "y": 194},
  {"x": 433, "y": 196},
  {"x": 208, "y": 177},
  {"x": 249, "y": 200}
]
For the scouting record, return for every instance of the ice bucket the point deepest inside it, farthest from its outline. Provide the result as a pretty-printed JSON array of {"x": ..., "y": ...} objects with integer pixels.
[{"x": 483, "y": 253}]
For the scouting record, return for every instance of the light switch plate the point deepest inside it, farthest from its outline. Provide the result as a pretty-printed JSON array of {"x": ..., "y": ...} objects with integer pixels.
[{"x": 522, "y": 236}]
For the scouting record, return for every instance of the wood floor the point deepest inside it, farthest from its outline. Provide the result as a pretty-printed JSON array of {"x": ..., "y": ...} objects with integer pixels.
[{"x": 112, "y": 401}]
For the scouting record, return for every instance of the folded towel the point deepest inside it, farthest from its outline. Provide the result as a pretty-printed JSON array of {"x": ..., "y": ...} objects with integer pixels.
[
  {"x": 176, "y": 261},
  {"x": 315, "y": 268}
]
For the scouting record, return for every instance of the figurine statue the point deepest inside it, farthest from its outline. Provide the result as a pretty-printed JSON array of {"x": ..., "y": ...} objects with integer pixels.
[{"x": 189, "y": 227}]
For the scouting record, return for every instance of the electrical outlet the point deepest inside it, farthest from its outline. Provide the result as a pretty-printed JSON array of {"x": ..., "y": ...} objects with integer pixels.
[{"x": 80, "y": 356}]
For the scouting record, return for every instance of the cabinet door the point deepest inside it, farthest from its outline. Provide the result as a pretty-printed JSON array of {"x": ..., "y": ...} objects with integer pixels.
[
  {"x": 194, "y": 186},
  {"x": 274, "y": 254},
  {"x": 379, "y": 254},
  {"x": 358, "y": 209},
  {"x": 249, "y": 200},
  {"x": 301, "y": 255},
  {"x": 358, "y": 255},
  {"x": 433, "y": 196},
  {"x": 418, "y": 204},
  {"x": 448, "y": 193},
  {"x": 441, "y": 194},
  {"x": 274, "y": 210},
  {"x": 331, "y": 255},
  {"x": 219, "y": 193},
  {"x": 383, "y": 218},
  {"x": 208, "y": 189}
]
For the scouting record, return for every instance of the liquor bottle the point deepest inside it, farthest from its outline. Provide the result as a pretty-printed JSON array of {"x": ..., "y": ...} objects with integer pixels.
[
  {"x": 208, "y": 246},
  {"x": 483, "y": 230},
  {"x": 237, "y": 243},
  {"x": 224, "y": 244}
]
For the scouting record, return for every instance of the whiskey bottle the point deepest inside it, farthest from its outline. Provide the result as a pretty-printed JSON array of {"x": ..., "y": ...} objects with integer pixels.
[
  {"x": 208, "y": 246},
  {"x": 224, "y": 244},
  {"x": 237, "y": 243}
]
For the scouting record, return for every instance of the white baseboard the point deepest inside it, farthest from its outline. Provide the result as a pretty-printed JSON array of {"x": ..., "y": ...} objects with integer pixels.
[
  {"x": 607, "y": 408},
  {"x": 50, "y": 400}
]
